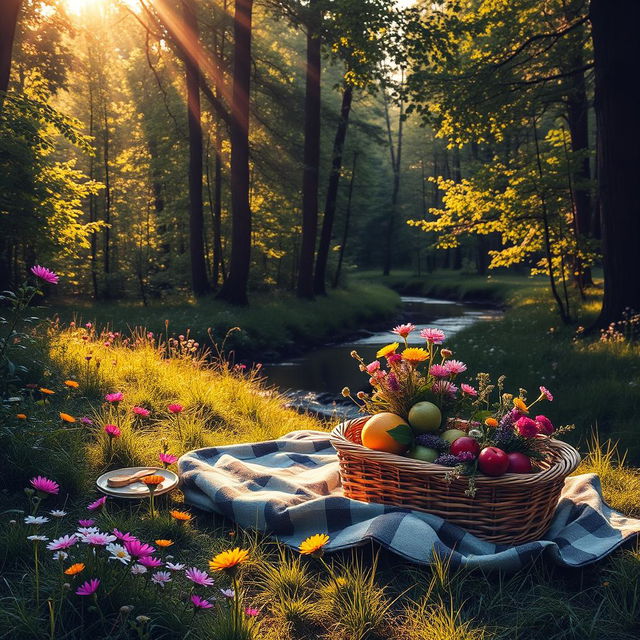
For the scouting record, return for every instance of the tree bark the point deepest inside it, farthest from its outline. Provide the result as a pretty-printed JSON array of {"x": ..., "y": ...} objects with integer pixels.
[
  {"x": 332, "y": 193},
  {"x": 199, "y": 281},
  {"x": 616, "y": 54},
  {"x": 310, "y": 180},
  {"x": 9, "y": 10},
  {"x": 234, "y": 289},
  {"x": 347, "y": 219}
]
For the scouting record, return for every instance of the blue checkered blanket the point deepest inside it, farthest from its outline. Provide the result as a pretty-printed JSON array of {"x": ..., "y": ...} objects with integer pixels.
[{"x": 290, "y": 489}]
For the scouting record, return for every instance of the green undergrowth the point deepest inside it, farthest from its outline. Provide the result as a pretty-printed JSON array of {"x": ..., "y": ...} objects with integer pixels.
[
  {"x": 368, "y": 594},
  {"x": 274, "y": 323}
]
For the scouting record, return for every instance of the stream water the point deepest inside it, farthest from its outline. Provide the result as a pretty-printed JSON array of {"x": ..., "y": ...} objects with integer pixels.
[{"x": 314, "y": 380}]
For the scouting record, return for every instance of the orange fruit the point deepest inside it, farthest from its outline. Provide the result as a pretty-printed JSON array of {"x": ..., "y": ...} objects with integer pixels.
[{"x": 375, "y": 433}]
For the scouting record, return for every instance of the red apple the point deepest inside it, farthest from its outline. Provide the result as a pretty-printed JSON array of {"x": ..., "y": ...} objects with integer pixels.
[
  {"x": 465, "y": 443},
  {"x": 518, "y": 463},
  {"x": 493, "y": 461}
]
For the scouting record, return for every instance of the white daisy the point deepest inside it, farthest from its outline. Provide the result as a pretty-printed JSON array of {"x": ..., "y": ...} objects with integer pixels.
[
  {"x": 118, "y": 552},
  {"x": 178, "y": 566},
  {"x": 36, "y": 520},
  {"x": 38, "y": 538},
  {"x": 161, "y": 577},
  {"x": 60, "y": 555},
  {"x": 138, "y": 569},
  {"x": 87, "y": 531},
  {"x": 58, "y": 513}
]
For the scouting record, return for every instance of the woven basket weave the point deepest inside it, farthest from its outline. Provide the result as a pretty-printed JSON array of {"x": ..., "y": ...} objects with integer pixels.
[{"x": 510, "y": 509}]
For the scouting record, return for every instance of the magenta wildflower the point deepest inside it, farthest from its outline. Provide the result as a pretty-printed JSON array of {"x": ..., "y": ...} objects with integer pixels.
[
  {"x": 394, "y": 358},
  {"x": 454, "y": 367},
  {"x": 44, "y": 485},
  {"x": 438, "y": 371},
  {"x": 403, "y": 330},
  {"x": 65, "y": 542},
  {"x": 200, "y": 603},
  {"x": 526, "y": 427},
  {"x": 251, "y": 612},
  {"x": 141, "y": 411},
  {"x": 112, "y": 430},
  {"x": 150, "y": 562},
  {"x": 86, "y": 420},
  {"x": 97, "y": 504},
  {"x": 392, "y": 382},
  {"x": 125, "y": 537},
  {"x": 114, "y": 397},
  {"x": 199, "y": 577},
  {"x": 433, "y": 336},
  {"x": 86, "y": 523},
  {"x": 544, "y": 425},
  {"x": 546, "y": 393},
  {"x": 45, "y": 274},
  {"x": 88, "y": 588},
  {"x": 468, "y": 389},
  {"x": 167, "y": 458},
  {"x": 444, "y": 386},
  {"x": 175, "y": 408},
  {"x": 228, "y": 593},
  {"x": 138, "y": 549}
]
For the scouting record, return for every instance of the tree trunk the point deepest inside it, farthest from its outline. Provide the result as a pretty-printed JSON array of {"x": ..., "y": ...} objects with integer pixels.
[
  {"x": 616, "y": 54},
  {"x": 347, "y": 218},
  {"x": 234, "y": 289},
  {"x": 332, "y": 193},
  {"x": 310, "y": 180},
  {"x": 9, "y": 10},
  {"x": 107, "y": 196},
  {"x": 199, "y": 282}
]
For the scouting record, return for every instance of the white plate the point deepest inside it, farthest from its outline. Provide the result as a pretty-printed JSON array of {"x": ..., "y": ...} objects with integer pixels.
[{"x": 137, "y": 489}]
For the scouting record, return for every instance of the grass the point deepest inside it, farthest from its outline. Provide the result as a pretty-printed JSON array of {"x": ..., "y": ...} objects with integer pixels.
[
  {"x": 274, "y": 324},
  {"x": 365, "y": 594}
]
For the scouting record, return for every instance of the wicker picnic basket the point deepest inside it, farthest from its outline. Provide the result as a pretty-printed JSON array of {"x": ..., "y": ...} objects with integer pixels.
[{"x": 510, "y": 509}]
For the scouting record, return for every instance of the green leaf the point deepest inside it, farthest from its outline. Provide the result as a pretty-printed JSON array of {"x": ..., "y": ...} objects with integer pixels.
[{"x": 402, "y": 434}]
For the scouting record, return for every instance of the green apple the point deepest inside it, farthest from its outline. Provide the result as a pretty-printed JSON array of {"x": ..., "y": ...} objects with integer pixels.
[
  {"x": 423, "y": 453},
  {"x": 425, "y": 417},
  {"x": 452, "y": 434}
]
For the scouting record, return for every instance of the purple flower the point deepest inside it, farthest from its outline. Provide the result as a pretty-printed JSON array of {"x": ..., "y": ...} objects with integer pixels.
[
  {"x": 161, "y": 577},
  {"x": 200, "y": 603},
  {"x": 392, "y": 382},
  {"x": 228, "y": 593},
  {"x": 45, "y": 274},
  {"x": 509, "y": 418},
  {"x": 447, "y": 460},
  {"x": 86, "y": 523},
  {"x": 199, "y": 577},
  {"x": 97, "y": 504},
  {"x": 432, "y": 441},
  {"x": 466, "y": 456},
  {"x": 86, "y": 420},
  {"x": 88, "y": 588}
]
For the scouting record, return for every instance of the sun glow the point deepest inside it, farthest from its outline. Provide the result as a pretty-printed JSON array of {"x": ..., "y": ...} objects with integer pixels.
[{"x": 79, "y": 7}]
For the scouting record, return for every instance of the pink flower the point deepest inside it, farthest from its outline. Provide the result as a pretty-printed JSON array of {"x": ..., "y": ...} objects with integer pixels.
[
  {"x": 125, "y": 537},
  {"x": 161, "y": 577},
  {"x": 45, "y": 274},
  {"x": 44, "y": 485},
  {"x": 546, "y": 393},
  {"x": 199, "y": 577},
  {"x": 200, "y": 603},
  {"x": 394, "y": 358},
  {"x": 403, "y": 330},
  {"x": 65, "y": 542},
  {"x": 444, "y": 386},
  {"x": 97, "y": 504},
  {"x": 392, "y": 382},
  {"x": 88, "y": 588},
  {"x": 112, "y": 430},
  {"x": 98, "y": 539},
  {"x": 251, "y": 612},
  {"x": 468, "y": 389},
  {"x": 372, "y": 367},
  {"x": 138, "y": 549},
  {"x": 438, "y": 371},
  {"x": 526, "y": 427},
  {"x": 86, "y": 523},
  {"x": 88, "y": 325},
  {"x": 141, "y": 411},
  {"x": 167, "y": 458},
  {"x": 434, "y": 336},
  {"x": 114, "y": 397},
  {"x": 175, "y": 408},
  {"x": 454, "y": 367},
  {"x": 544, "y": 425},
  {"x": 150, "y": 562}
]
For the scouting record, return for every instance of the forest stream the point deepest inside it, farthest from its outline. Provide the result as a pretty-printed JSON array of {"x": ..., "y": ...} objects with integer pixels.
[{"x": 314, "y": 380}]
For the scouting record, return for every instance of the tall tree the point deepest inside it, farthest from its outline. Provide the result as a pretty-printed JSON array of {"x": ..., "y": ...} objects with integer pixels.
[
  {"x": 9, "y": 10},
  {"x": 616, "y": 53},
  {"x": 311, "y": 170},
  {"x": 199, "y": 281}
]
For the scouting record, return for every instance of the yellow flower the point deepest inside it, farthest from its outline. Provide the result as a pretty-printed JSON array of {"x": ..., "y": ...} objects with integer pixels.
[
  {"x": 72, "y": 383},
  {"x": 21, "y": 416},
  {"x": 47, "y": 391},
  {"x": 313, "y": 544},
  {"x": 415, "y": 354},
  {"x": 164, "y": 543},
  {"x": 66, "y": 417},
  {"x": 75, "y": 568},
  {"x": 182, "y": 516},
  {"x": 385, "y": 351},
  {"x": 491, "y": 422},
  {"x": 228, "y": 559},
  {"x": 519, "y": 404}
]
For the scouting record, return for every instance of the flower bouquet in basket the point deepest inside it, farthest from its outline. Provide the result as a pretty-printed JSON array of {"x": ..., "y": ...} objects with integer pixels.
[{"x": 419, "y": 408}]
